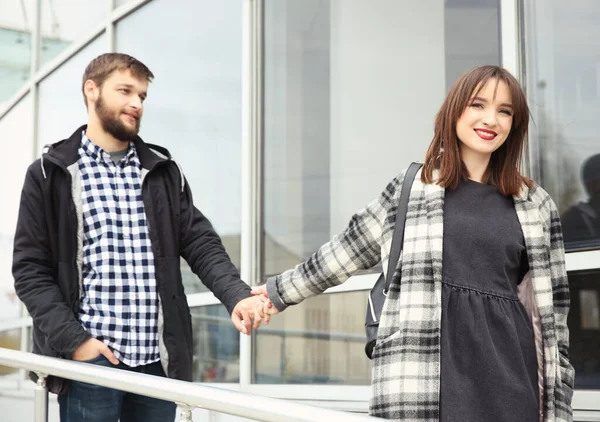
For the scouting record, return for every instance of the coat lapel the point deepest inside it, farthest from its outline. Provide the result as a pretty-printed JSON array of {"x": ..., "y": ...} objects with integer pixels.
[
  {"x": 434, "y": 200},
  {"x": 536, "y": 242}
]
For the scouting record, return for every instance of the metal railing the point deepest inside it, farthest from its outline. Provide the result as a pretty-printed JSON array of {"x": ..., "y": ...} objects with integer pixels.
[{"x": 187, "y": 395}]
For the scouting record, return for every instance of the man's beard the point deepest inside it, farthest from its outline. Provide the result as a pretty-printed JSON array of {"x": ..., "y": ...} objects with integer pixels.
[{"x": 112, "y": 125}]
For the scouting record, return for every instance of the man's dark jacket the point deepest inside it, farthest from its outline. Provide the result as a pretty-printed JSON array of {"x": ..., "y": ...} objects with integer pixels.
[{"x": 48, "y": 253}]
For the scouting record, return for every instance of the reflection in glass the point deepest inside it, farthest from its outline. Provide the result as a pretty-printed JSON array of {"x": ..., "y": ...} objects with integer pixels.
[
  {"x": 563, "y": 80},
  {"x": 584, "y": 327},
  {"x": 67, "y": 21},
  {"x": 17, "y": 136},
  {"x": 320, "y": 341},
  {"x": 10, "y": 340},
  {"x": 350, "y": 94},
  {"x": 216, "y": 345},
  {"x": 581, "y": 221},
  {"x": 194, "y": 103}
]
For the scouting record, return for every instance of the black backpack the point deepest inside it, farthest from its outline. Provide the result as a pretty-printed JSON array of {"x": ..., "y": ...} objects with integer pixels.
[{"x": 379, "y": 291}]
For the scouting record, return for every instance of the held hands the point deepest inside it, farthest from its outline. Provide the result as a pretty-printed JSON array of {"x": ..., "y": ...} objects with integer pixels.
[
  {"x": 268, "y": 308},
  {"x": 92, "y": 348},
  {"x": 248, "y": 309},
  {"x": 257, "y": 307}
]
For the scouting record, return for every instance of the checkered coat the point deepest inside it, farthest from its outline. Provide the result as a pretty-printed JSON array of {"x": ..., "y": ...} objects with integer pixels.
[{"x": 406, "y": 360}]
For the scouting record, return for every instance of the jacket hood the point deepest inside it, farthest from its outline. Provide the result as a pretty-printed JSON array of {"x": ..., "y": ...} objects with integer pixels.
[{"x": 64, "y": 153}]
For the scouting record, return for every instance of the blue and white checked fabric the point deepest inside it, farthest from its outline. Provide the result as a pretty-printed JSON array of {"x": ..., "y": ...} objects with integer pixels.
[{"x": 119, "y": 303}]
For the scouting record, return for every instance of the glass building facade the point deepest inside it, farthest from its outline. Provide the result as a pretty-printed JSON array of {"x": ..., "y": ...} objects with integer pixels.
[{"x": 287, "y": 116}]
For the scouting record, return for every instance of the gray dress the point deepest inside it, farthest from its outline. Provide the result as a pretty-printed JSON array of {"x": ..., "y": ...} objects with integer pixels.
[{"x": 488, "y": 356}]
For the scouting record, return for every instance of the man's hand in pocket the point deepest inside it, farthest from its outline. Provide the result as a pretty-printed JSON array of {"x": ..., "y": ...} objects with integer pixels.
[{"x": 91, "y": 349}]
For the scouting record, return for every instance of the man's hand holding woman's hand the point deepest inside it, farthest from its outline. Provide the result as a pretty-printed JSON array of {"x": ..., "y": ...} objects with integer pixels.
[
  {"x": 268, "y": 307},
  {"x": 247, "y": 310},
  {"x": 258, "y": 308}
]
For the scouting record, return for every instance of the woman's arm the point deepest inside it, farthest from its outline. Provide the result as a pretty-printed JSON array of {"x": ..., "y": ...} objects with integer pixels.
[{"x": 358, "y": 247}]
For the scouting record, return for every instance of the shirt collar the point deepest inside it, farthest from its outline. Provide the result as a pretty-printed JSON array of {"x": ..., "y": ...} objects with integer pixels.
[{"x": 100, "y": 154}]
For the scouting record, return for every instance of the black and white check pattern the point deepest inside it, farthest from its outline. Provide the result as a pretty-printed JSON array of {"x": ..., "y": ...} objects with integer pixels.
[
  {"x": 406, "y": 360},
  {"x": 119, "y": 303}
]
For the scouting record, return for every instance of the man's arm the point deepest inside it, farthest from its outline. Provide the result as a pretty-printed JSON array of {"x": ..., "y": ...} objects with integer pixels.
[
  {"x": 203, "y": 250},
  {"x": 35, "y": 273}
]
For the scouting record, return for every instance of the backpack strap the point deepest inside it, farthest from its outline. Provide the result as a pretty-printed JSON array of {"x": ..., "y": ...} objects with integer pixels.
[{"x": 398, "y": 236}]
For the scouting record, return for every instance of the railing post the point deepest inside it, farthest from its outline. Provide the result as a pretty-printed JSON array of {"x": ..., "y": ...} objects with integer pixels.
[
  {"x": 41, "y": 399},
  {"x": 185, "y": 412}
]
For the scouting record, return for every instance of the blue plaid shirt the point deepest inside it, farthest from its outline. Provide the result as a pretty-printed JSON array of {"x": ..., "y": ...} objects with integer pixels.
[{"x": 119, "y": 303}]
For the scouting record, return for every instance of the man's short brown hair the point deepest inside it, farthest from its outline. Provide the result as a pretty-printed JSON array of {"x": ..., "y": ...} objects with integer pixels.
[{"x": 102, "y": 66}]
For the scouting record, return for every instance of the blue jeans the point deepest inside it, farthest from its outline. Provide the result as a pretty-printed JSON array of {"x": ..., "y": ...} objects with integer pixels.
[{"x": 92, "y": 403}]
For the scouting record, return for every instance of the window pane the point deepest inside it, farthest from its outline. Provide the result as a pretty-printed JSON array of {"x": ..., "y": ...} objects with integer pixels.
[
  {"x": 61, "y": 103},
  {"x": 16, "y": 136},
  {"x": 584, "y": 326},
  {"x": 563, "y": 80},
  {"x": 194, "y": 104},
  {"x": 15, "y": 61},
  {"x": 10, "y": 340},
  {"x": 216, "y": 345},
  {"x": 121, "y": 2},
  {"x": 350, "y": 94},
  {"x": 67, "y": 21},
  {"x": 473, "y": 44},
  {"x": 15, "y": 46},
  {"x": 321, "y": 341}
]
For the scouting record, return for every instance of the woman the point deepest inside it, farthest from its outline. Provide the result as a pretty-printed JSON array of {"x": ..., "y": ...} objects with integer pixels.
[{"x": 474, "y": 327}]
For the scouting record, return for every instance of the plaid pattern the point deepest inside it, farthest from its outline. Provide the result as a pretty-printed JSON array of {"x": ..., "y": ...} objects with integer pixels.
[
  {"x": 119, "y": 303},
  {"x": 406, "y": 360}
]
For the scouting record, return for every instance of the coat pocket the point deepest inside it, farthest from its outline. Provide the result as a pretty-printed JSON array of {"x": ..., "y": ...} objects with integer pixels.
[
  {"x": 387, "y": 345},
  {"x": 565, "y": 377}
]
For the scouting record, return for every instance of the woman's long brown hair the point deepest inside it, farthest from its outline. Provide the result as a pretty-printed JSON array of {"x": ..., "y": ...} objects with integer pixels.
[{"x": 444, "y": 151}]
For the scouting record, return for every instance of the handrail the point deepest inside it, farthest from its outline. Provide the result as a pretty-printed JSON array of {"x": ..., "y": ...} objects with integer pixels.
[
  {"x": 187, "y": 395},
  {"x": 289, "y": 332}
]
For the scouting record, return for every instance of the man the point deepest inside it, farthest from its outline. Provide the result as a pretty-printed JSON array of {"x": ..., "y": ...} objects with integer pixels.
[{"x": 103, "y": 220}]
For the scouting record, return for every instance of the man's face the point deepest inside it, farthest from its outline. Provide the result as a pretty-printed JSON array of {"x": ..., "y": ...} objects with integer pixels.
[{"x": 120, "y": 105}]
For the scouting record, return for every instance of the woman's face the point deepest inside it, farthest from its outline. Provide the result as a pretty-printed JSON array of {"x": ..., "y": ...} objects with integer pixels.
[{"x": 486, "y": 122}]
